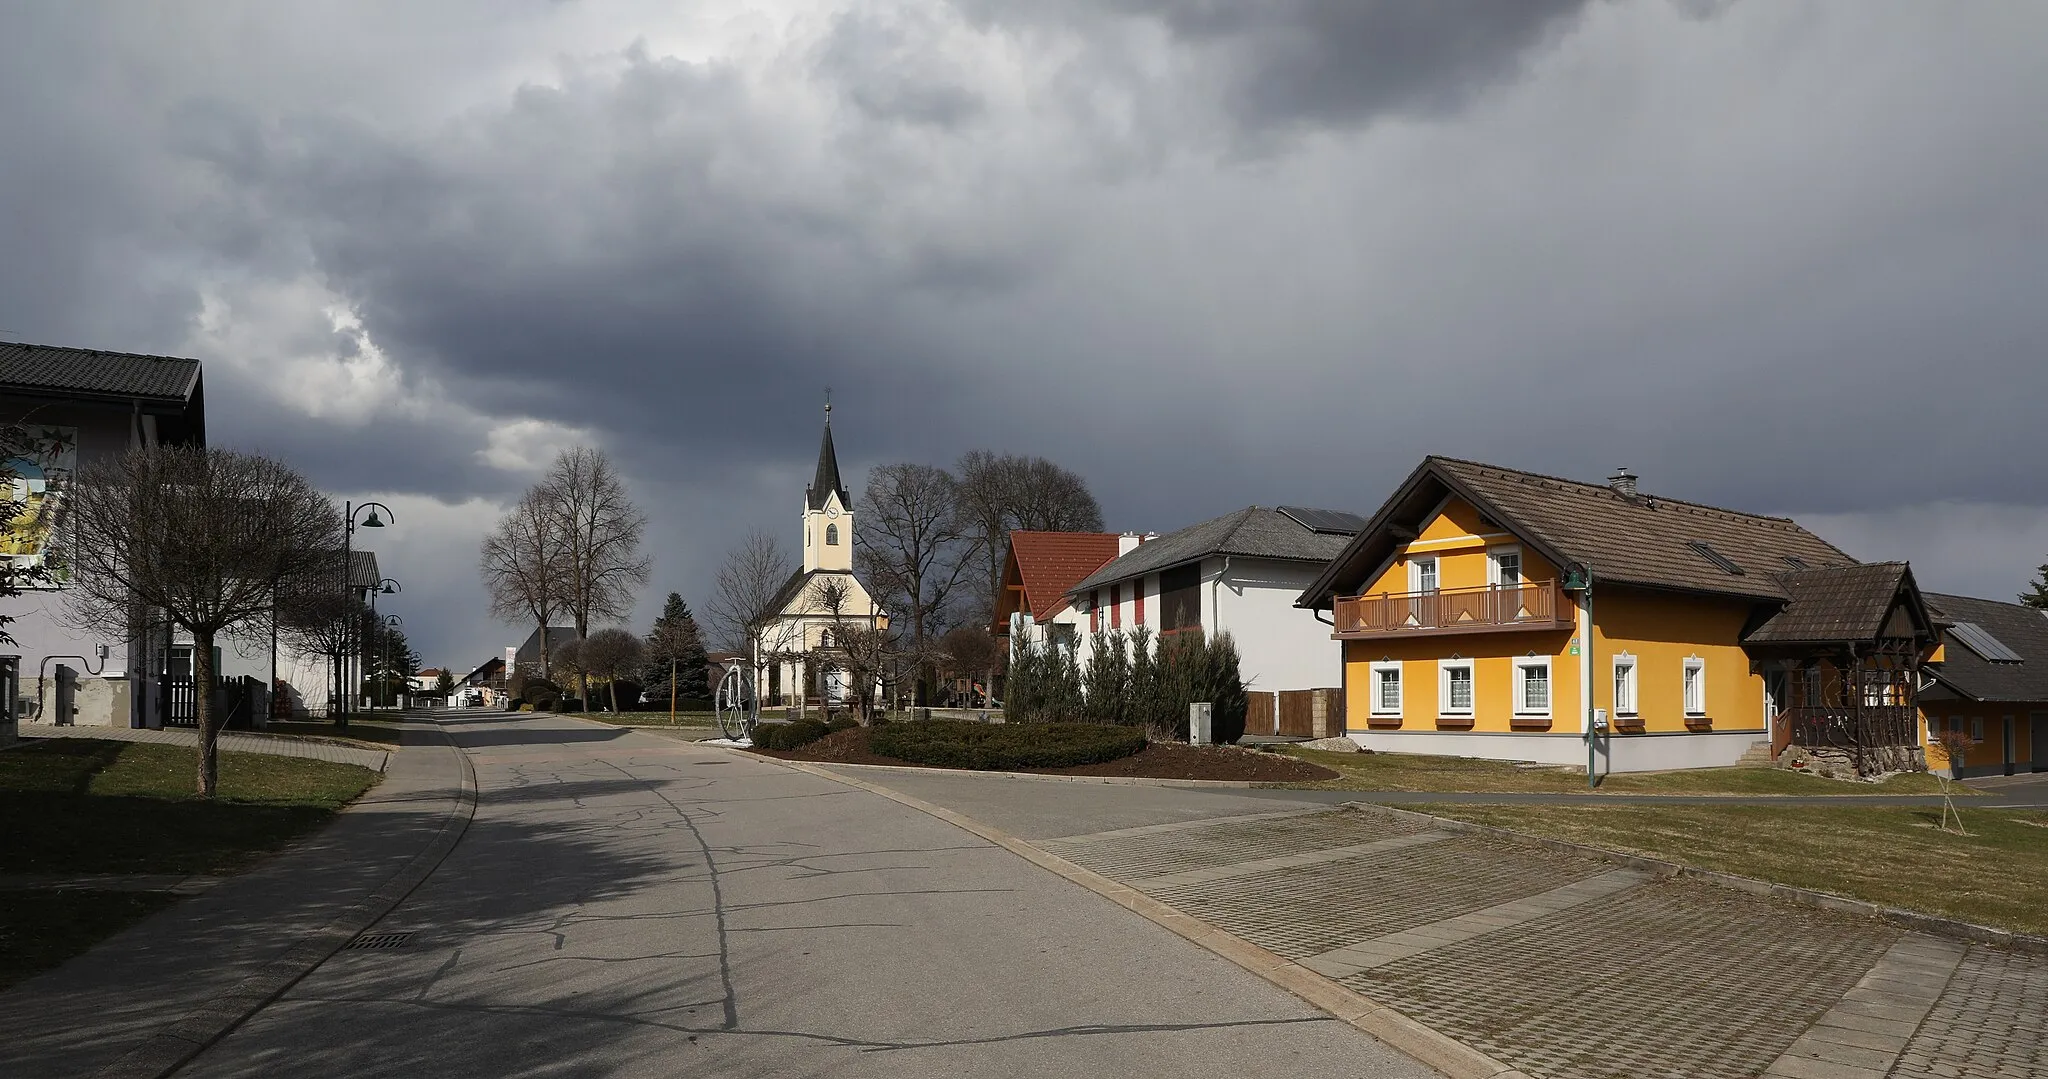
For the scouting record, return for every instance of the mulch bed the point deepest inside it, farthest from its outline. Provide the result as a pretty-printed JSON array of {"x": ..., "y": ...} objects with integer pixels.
[{"x": 1158, "y": 760}]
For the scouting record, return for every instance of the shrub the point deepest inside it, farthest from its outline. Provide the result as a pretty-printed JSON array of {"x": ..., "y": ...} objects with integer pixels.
[
  {"x": 524, "y": 707},
  {"x": 842, "y": 723},
  {"x": 797, "y": 732},
  {"x": 1005, "y": 747},
  {"x": 629, "y": 695},
  {"x": 542, "y": 705}
]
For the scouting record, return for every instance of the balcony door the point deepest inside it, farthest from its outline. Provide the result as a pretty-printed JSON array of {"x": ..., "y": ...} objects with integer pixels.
[
  {"x": 1504, "y": 577},
  {"x": 1422, "y": 583}
]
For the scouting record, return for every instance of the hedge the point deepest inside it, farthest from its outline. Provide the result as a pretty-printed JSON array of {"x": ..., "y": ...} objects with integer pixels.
[
  {"x": 950, "y": 743},
  {"x": 790, "y": 735}
]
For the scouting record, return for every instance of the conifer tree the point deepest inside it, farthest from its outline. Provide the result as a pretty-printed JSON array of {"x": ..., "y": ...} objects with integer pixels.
[
  {"x": 2036, "y": 594},
  {"x": 676, "y": 643}
]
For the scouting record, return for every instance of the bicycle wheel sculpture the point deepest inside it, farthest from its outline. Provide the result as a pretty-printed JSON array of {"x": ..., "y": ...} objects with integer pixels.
[{"x": 738, "y": 711}]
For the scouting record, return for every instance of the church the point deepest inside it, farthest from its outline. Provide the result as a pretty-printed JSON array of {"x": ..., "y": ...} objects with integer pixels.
[{"x": 793, "y": 653}]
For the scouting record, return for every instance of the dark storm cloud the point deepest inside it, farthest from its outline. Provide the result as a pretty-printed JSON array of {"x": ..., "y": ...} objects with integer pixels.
[{"x": 1780, "y": 260}]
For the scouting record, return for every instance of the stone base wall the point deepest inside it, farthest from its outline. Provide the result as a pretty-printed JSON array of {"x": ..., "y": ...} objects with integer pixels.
[{"x": 1835, "y": 763}]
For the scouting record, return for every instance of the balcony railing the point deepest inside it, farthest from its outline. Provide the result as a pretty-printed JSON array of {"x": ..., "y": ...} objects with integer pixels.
[{"x": 1534, "y": 605}]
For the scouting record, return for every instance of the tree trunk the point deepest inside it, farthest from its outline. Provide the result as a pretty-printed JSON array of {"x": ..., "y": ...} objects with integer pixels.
[
  {"x": 614, "y": 685},
  {"x": 202, "y": 705},
  {"x": 583, "y": 662},
  {"x": 545, "y": 671}
]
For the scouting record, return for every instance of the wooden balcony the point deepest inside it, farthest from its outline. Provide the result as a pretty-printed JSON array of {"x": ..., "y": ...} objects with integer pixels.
[{"x": 1534, "y": 605}]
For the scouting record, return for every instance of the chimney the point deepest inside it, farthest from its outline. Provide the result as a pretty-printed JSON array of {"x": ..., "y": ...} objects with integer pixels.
[
  {"x": 1624, "y": 483},
  {"x": 1127, "y": 543}
]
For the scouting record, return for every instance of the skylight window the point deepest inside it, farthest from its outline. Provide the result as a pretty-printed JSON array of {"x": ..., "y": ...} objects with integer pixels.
[
  {"x": 1794, "y": 562},
  {"x": 1979, "y": 640},
  {"x": 1715, "y": 557}
]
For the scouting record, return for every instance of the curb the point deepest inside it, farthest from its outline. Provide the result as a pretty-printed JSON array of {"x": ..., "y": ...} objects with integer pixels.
[
  {"x": 174, "y": 1046},
  {"x": 1968, "y": 932},
  {"x": 1453, "y": 1058},
  {"x": 1117, "y": 781}
]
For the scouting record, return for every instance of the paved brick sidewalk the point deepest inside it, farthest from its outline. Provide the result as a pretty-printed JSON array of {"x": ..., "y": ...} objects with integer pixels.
[
  {"x": 1564, "y": 966},
  {"x": 238, "y": 743}
]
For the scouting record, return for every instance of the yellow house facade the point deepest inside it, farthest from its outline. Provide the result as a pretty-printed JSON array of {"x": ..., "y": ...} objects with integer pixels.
[
  {"x": 1990, "y": 685},
  {"x": 1493, "y": 613}
]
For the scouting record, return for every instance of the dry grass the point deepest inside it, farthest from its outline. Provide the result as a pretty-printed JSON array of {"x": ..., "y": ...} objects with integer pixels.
[
  {"x": 1997, "y": 875},
  {"x": 1415, "y": 772}
]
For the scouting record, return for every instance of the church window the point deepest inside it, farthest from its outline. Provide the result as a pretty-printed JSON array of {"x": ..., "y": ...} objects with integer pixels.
[
  {"x": 825, "y": 639},
  {"x": 831, "y": 535}
]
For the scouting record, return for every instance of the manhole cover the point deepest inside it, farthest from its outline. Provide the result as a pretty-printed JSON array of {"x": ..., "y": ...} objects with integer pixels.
[{"x": 370, "y": 941}]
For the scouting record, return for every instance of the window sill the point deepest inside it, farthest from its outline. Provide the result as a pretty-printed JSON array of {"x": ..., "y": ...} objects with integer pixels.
[
  {"x": 1529, "y": 723},
  {"x": 1699, "y": 723},
  {"x": 1382, "y": 722},
  {"x": 1454, "y": 723}
]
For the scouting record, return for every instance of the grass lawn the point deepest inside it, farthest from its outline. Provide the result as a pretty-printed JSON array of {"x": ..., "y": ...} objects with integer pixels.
[
  {"x": 1894, "y": 856},
  {"x": 82, "y": 805},
  {"x": 1415, "y": 772},
  {"x": 647, "y": 719}
]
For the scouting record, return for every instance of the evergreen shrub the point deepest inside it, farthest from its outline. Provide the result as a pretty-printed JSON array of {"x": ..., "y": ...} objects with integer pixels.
[
  {"x": 790, "y": 735},
  {"x": 1005, "y": 747}
]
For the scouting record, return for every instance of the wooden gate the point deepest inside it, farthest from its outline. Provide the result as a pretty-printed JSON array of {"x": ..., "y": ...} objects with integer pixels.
[
  {"x": 1262, "y": 713},
  {"x": 1311, "y": 713},
  {"x": 177, "y": 705}
]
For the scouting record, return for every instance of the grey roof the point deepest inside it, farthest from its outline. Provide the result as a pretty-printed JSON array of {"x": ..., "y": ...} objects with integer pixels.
[
  {"x": 1646, "y": 540},
  {"x": 1252, "y": 532},
  {"x": 2021, "y": 628},
  {"x": 826, "y": 480},
  {"x": 60, "y": 370},
  {"x": 362, "y": 569},
  {"x": 1846, "y": 603},
  {"x": 529, "y": 652}
]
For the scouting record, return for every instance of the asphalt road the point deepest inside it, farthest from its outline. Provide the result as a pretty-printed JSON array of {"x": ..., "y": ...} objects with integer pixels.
[{"x": 630, "y": 905}]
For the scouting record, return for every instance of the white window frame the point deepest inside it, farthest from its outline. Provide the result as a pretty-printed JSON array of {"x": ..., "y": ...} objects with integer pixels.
[
  {"x": 1378, "y": 707},
  {"x": 1443, "y": 693},
  {"x": 1523, "y": 665},
  {"x": 1695, "y": 672},
  {"x": 1493, "y": 557},
  {"x": 1626, "y": 661},
  {"x": 1415, "y": 574}
]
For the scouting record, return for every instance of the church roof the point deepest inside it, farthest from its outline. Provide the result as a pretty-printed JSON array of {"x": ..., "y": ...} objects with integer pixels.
[{"x": 826, "y": 482}]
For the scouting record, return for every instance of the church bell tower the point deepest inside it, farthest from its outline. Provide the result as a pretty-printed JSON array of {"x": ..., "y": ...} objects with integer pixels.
[{"x": 828, "y": 511}]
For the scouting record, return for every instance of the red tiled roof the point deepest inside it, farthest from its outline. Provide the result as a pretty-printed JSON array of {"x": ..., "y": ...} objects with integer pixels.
[{"x": 1050, "y": 563}]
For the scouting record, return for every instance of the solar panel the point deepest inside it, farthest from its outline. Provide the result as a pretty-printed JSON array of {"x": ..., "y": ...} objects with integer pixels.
[
  {"x": 1979, "y": 640},
  {"x": 1327, "y": 522},
  {"x": 1715, "y": 557}
]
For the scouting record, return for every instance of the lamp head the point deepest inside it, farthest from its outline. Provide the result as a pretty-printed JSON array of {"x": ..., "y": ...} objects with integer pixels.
[{"x": 373, "y": 521}]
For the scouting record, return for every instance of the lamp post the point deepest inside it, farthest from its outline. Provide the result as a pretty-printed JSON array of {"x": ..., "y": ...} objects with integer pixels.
[
  {"x": 385, "y": 587},
  {"x": 348, "y": 532},
  {"x": 389, "y": 660}
]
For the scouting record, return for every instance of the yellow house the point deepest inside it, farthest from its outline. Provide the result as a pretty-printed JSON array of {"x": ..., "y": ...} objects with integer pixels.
[
  {"x": 1488, "y": 612},
  {"x": 1990, "y": 686}
]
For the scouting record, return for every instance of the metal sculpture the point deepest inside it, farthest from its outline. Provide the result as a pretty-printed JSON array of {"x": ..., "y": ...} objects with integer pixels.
[{"x": 738, "y": 708}]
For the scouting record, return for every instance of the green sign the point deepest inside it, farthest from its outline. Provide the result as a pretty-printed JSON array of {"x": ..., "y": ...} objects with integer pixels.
[{"x": 1575, "y": 648}]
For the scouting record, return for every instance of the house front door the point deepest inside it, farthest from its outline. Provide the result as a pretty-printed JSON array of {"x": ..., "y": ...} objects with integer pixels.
[{"x": 2039, "y": 737}]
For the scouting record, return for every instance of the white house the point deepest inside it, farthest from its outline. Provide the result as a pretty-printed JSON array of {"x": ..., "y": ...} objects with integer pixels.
[
  {"x": 1031, "y": 603},
  {"x": 1239, "y": 573}
]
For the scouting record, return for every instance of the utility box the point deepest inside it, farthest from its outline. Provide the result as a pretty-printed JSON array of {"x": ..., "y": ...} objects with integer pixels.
[
  {"x": 1200, "y": 728},
  {"x": 67, "y": 696}
]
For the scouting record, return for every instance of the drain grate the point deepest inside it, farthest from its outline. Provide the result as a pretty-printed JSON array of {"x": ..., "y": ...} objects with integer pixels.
[{"x": 370, "y": 941}]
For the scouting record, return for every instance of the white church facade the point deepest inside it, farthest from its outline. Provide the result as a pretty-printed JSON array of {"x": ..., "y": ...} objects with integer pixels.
[{"x": 793, "y": 652}]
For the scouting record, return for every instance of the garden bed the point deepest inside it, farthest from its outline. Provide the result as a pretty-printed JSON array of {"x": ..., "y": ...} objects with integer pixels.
[{"x": 1157, "y": 760}]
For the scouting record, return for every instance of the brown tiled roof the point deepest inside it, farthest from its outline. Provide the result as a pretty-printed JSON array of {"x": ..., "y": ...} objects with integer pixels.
[
  {"x": 1646, "y": 540},
  {"x": 1847, "y": 603},
  {"x": 1051, "y": 563},
  {"x": 2020, "y": 628}
]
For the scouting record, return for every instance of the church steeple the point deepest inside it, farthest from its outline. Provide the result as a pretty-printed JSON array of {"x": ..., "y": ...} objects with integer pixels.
[
  {"x": 828, "y": 510},
  {"x": 826, "y": 482}
]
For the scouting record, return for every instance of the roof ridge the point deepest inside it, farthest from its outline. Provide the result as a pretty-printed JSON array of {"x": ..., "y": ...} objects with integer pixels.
[
  {"x": 100, "y": 352},
  {"x": 1601, "y": 488}
]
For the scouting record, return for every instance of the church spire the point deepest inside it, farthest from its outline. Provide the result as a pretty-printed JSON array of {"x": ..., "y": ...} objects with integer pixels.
[{"x": 827, "y": 481}]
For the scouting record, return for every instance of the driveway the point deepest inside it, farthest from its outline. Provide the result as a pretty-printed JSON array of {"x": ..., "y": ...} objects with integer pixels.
[{"x": 625, "y": 904}]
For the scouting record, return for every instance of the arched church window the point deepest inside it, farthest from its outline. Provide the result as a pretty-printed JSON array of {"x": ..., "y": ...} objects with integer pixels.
[
  {"x": 825, "y": 639},
  {"x": 831, "y": 535}
]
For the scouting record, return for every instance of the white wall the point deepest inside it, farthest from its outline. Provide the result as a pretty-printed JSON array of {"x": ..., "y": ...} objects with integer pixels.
[{"x": 1280, "y": 646}]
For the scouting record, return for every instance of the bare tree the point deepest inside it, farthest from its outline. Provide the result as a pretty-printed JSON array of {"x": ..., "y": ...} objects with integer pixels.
[
  {"x": 15, "y": 443},
  {"x": 856, "y": 647},
  {"x": 1001, "y": 493},
  {"x": 521, "y": 563},
  {"x": 599, "y": 530},
  {"x": 316, "y": 616},
  {"x": 205, "y": 536},
  {"x": 611, "y": 652},
  {"x": 569, "y": 660},
  {"x": 754, "y": 574},
  {"x": 912, "y": 545},
  {"x": 969, "y": 650}
]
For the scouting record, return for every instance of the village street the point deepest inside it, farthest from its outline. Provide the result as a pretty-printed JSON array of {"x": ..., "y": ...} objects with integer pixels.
[{"x": 619, "y": 903}]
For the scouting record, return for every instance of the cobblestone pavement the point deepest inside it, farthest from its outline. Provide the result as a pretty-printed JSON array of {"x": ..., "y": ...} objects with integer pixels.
[
  {"x": 236, "y": 743},
  {"x": 1563, "y": 966}
]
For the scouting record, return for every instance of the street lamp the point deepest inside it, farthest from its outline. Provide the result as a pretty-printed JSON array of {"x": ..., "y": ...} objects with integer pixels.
[{"x": 348, "y": 517}]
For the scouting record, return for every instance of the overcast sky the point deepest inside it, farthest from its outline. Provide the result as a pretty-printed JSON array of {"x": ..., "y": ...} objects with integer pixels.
[{"x": 1781, "y": 256}]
